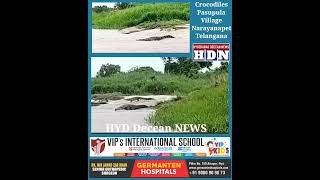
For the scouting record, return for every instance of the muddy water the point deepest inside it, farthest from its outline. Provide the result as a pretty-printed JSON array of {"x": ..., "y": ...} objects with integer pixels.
[
  {"x": 104, "y": 118},
  {"x": 114, "y": 41}
]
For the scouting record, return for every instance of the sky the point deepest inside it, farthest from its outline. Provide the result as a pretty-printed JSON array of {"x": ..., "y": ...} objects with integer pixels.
[
  {"x": 127, "y": 63},
  {"x": 111, "y": 5}
]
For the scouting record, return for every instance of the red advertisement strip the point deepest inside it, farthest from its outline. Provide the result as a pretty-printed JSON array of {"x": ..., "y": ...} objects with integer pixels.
[
  {"x": 210, "y": 46},
  {"x": 159, "y": 168}
]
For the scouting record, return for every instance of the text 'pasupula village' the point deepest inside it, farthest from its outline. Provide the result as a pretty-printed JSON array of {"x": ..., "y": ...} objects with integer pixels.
[{"x": 208, "y": 17}]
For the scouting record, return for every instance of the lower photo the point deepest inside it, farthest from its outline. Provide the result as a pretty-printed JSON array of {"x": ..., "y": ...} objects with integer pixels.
[
  {"x": 140, "y": 27},
  {"x": 158, "y": 95}
]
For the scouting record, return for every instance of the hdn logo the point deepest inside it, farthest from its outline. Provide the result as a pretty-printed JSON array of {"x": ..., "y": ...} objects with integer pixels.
[{"x": 211, "y": 52}]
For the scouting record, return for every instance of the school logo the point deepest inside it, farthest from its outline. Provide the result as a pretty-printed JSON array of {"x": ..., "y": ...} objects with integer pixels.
[
  {"x": 210, "y": 52},
  {"x": 98, "y": 145},
  {"x": 216, "y": 147}
]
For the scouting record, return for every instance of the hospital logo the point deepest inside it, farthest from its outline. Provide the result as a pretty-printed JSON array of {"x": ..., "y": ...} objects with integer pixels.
[{"x": 98, "y": 145}]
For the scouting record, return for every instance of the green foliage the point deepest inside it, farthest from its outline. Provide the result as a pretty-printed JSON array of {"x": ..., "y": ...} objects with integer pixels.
[
  {"x": 144, "y": 14},
  {"x": 123, "y": 5},
  {"x": 161, "y": 24},
  {"x": 143, "y": 69},
  {"x": 108, "y": 69},
  {"x": 147, "y": 82},
  {"x": 223, "y": 68},
  {"x": 99, "y": 9},
  {"x": 183, "y": 65},
  {"x": 205, "y": 106}
]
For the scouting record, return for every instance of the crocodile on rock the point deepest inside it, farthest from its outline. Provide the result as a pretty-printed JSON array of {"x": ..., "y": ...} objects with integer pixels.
[
  {"x": 156, "y": 38},
  {"x": 138, "y": 99},
  {"x": 130, "y": 107}
]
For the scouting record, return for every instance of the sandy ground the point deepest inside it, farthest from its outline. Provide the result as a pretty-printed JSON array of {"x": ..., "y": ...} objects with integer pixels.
[
  {"x": 104, "y": 115},
  {"x": 114, "y": 41}
]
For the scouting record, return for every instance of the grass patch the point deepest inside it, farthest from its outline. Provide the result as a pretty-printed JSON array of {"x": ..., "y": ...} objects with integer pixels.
[
  {"x": 206, "y": 106},
  {"x": 162, "y": 24},
  {"x": 144, "y": 83},
  {"x": 145, "y": 15}
]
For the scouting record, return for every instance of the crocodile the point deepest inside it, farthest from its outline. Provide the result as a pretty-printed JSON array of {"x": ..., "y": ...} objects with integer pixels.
[
  {"x": 97, "y": 102},
  {"x": 156, "y": 38},
  {"x": 130, "y": 107},
  {"x": 172, "y": 28},
  {"x": 138, "y": 99}
]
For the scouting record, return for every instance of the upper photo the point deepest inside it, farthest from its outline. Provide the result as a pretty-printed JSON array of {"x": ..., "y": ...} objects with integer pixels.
[{"x": 130, "y": 27}]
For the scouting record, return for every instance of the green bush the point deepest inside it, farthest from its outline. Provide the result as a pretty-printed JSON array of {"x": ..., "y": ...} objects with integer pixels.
[
  {"x": 99, "y": 9},
  {"x": 144, "y": 13},
  {"x": 145, "y": 81},
  {"x": 205, "y": 106}
]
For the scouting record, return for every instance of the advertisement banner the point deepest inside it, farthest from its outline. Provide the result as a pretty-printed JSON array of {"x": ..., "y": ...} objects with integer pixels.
[{"x": 160, "y": 146}]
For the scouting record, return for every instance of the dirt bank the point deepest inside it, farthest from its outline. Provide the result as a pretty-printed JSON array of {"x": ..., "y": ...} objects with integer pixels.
[{"x": 115, "y": 41}]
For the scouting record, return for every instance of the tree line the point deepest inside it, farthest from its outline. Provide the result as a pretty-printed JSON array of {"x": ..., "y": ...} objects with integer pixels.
[
  {"x": 180, "y": 66},
  {"x": 118, "y": 6}
]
